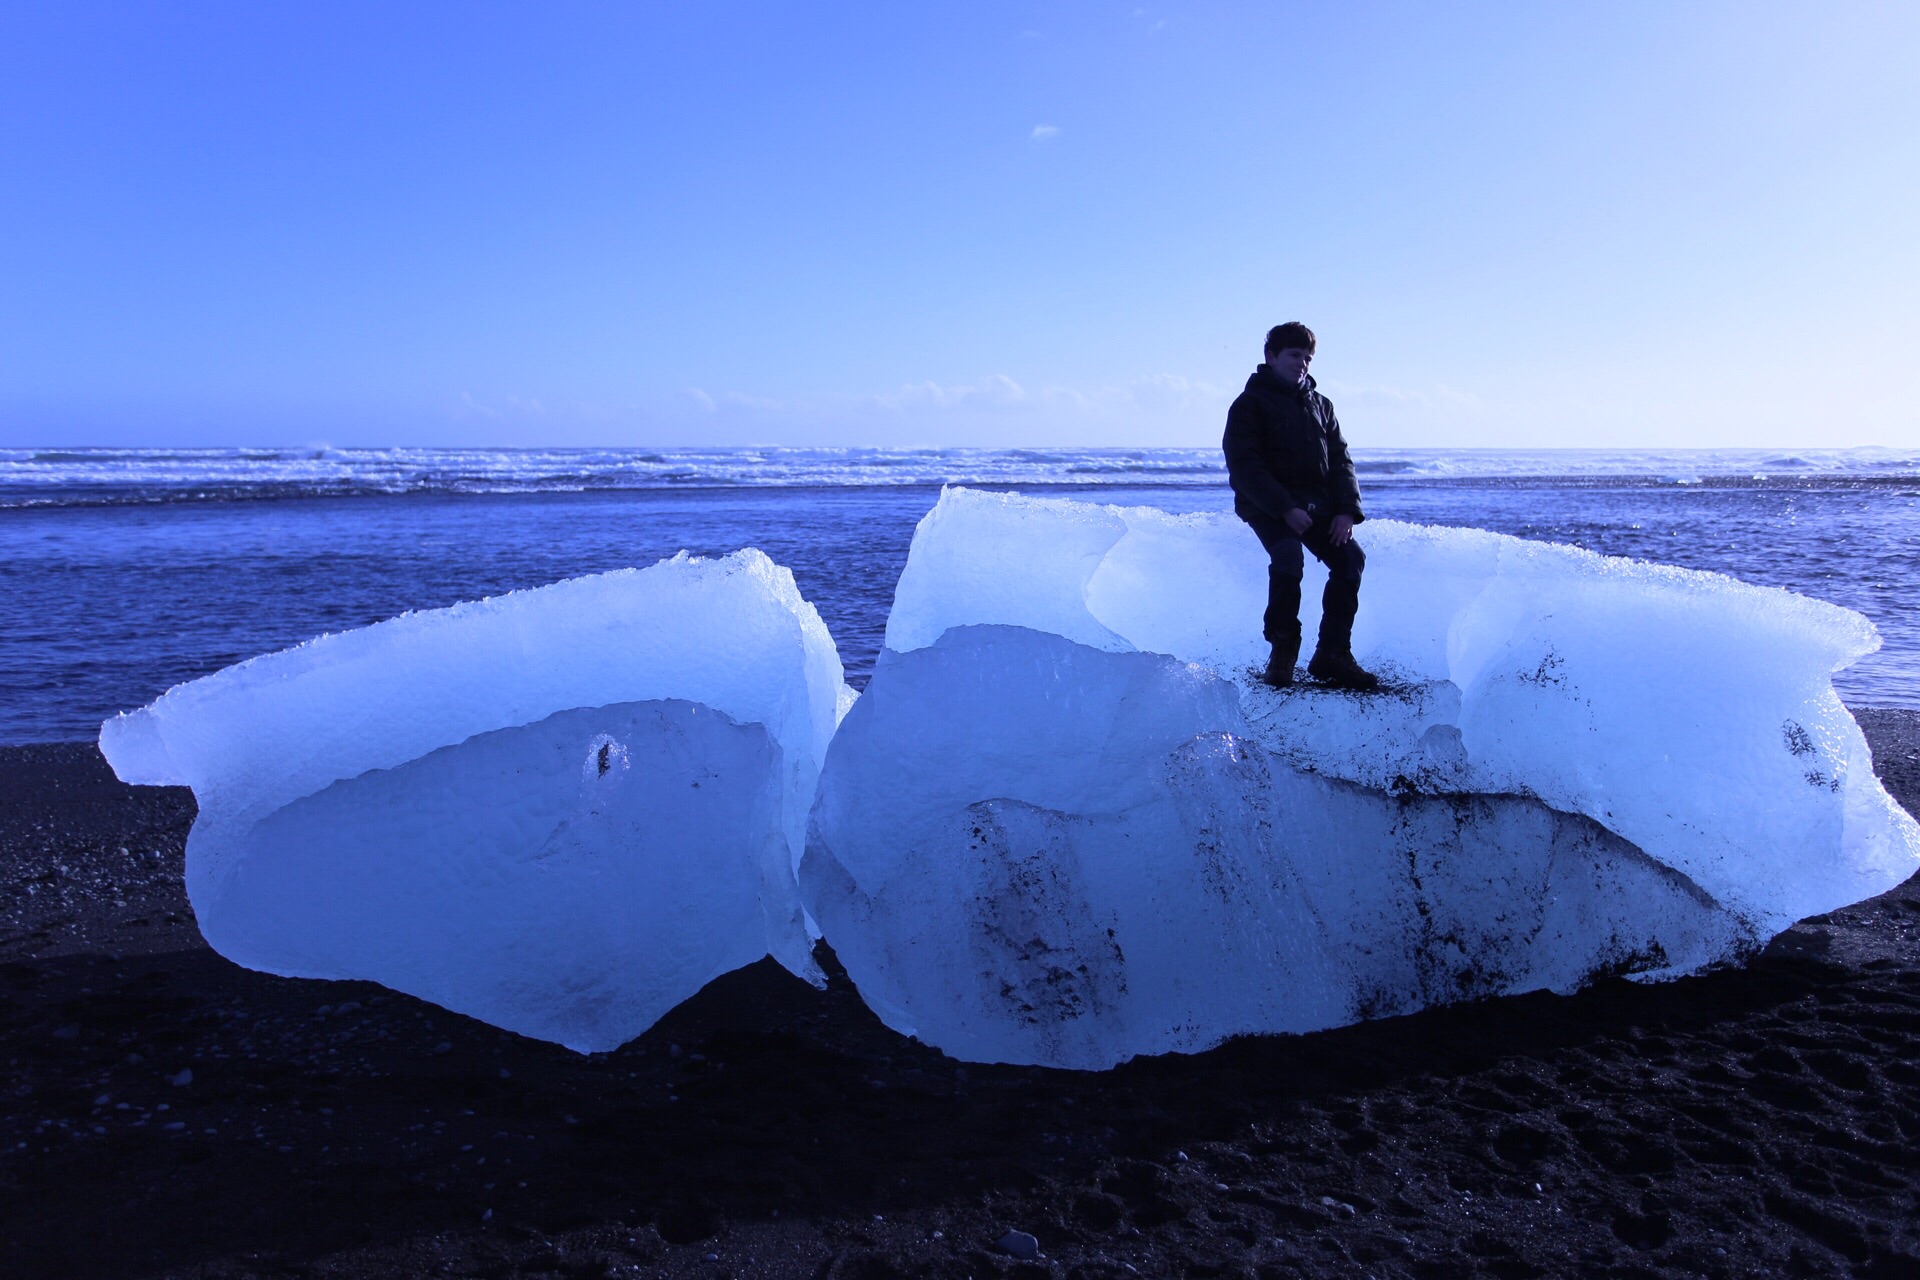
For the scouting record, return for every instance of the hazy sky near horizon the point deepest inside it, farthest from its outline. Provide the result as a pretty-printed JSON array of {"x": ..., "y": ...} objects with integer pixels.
[{"x": 1592, "y": 224}]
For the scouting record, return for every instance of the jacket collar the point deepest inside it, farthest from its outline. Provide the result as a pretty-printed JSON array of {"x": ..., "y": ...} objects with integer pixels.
[{"x": 1263, "y": 379}]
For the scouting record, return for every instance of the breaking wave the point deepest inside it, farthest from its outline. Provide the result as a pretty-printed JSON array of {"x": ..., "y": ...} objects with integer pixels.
[{"x": 91, "y": 477}]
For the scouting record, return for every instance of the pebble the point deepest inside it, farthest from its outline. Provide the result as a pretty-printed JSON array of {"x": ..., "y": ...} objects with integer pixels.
[
  {"x": 68, "y": 1032},
  {"x": 445, "y": 1046},
  {"x": 1018, "y": 1244},
  {"x": 182, "y": 1078}
]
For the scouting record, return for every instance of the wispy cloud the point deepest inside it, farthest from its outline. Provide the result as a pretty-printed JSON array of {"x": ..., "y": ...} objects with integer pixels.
[
  {"x": 993, "y": 393},
  {"x": 1045, "y": 132},
  {"x": 469, "y": 405},
  {"x": 761, "y": 404},
  {"x": 523, "y": 409},
  {"x": 993, "y": 409},
  {"x": 1438, "y": 396},
  {"x": 996, "y": 390}
]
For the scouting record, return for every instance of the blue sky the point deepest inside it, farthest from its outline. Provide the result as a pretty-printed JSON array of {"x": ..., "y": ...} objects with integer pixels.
[{"x": 997, "y": 224}]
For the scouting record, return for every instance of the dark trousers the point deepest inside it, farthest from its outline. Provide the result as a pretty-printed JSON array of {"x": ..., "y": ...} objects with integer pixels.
[{"x": 1338, "y": 603}]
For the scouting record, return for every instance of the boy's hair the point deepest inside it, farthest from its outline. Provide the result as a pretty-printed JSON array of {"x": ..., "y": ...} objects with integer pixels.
[{"x": 1290, "y": 334}]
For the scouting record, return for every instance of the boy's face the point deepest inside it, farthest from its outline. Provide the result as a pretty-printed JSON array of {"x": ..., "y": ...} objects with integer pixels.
[{"x": 1290, "y": 365}]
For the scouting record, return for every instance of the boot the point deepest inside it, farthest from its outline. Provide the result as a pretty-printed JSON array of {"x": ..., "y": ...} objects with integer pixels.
[
  {"x": 1338, "y": 668},
  {"x": 1332, "y": 659},
  {"x": 1282, "y": 626},
  {"x": 1279, "y": 672}
]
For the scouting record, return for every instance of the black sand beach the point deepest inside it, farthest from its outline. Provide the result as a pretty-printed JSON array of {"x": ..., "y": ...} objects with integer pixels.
[{"x": 166, "y": 1114}]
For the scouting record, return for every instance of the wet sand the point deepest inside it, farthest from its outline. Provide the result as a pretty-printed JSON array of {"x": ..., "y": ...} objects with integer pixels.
[{"x": 165, "y": 1113}]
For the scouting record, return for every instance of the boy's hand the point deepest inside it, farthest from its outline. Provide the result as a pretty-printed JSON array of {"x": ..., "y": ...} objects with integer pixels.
[
  {"x": 1340, "y": 533},
  {"x": 1299, "y": 521}
]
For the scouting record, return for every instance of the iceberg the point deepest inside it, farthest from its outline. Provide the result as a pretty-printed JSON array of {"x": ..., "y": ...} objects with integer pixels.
[
  {"x": 1065, "y": 824},
  {"x": 561, "y": 811}
]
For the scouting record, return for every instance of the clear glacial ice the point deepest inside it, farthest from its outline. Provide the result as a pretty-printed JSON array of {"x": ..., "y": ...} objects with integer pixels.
[
  {"x": 1064, "y": 825},
  {"x": 1026, "y": 849},
  {"x": 561, "y": 811}
]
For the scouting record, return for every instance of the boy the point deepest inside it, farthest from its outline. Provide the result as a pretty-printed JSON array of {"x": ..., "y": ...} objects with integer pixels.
[{"x": 1294, "y": 484}]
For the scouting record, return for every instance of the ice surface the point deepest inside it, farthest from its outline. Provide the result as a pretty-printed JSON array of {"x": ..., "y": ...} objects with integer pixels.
[
  {"x": 1691, "y": 714},
  {"x": 561, "y": 810},
  {"x": 1030, "y": 850},
  {"x": 1064, "y": 825}
]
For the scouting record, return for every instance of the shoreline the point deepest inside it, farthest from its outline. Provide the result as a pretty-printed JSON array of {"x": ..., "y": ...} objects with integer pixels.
[{"x": 165, "y": 1113}]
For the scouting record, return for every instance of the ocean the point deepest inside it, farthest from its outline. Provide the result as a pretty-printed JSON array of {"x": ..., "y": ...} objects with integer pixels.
[{"x": 126, "y": 571}]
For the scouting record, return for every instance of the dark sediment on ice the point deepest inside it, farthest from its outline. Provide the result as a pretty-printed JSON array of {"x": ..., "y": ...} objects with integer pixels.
[{"x": 1752, "y": 1121}]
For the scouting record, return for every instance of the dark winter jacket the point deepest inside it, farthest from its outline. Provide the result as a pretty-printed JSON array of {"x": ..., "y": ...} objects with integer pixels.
[{"x": 1284, "y": 450}]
